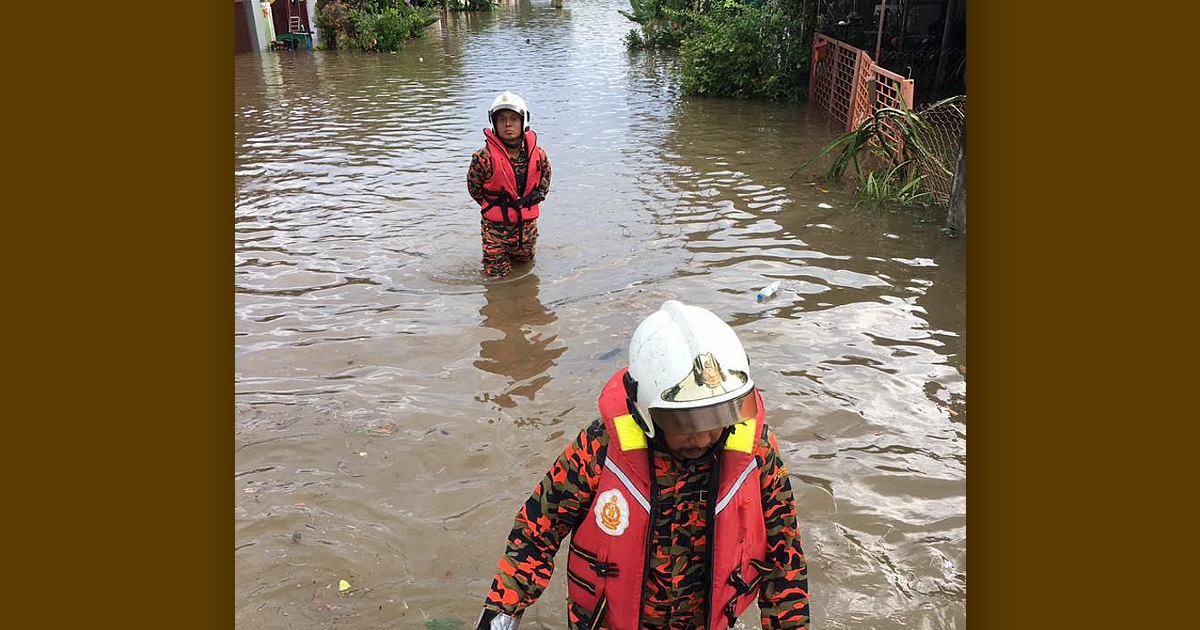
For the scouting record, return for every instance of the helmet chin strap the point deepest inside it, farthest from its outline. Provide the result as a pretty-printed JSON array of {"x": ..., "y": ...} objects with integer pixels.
[{"x": 640, "y": 416}]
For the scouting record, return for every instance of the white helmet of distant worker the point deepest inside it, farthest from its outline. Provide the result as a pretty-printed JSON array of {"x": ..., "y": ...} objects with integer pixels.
[
  {"x": 689, "y": 370},
  {"x": 510, "y": 101}
]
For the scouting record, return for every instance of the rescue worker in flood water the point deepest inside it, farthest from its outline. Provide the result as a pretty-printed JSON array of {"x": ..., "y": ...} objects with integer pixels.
[
  {"x": 677, "y": 500},
  {"x": 508, "y": 178}
]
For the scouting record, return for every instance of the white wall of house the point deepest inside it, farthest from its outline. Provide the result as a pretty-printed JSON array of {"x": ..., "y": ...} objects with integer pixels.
[
  {"x": 249, "y": 10},
  {"x": 312, "y": 22},
  {"x": 262, "y": 28},
  {"x": 258, "y": 25},
  {"x": 268, "y": 23}
]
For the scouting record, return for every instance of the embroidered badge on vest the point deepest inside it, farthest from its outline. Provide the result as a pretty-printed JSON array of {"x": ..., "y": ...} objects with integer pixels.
[{"x": 612, "y": 512}]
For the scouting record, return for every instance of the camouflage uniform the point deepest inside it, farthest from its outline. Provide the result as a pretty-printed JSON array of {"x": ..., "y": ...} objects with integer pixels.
[
  {"x": 503, "y": 244},
  {"x": 675, "y": 589}
]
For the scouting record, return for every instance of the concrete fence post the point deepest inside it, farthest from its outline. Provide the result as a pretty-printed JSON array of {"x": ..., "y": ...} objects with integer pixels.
[{"x": 956, "y": 215}]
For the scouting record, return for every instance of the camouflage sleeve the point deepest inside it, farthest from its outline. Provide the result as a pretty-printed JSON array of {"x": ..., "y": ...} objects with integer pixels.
[
  {"x": 783, "y": 600},
  {"x": 480, "y": 172},
  {"x": 539, "y": 193},
  {"x": 558, "y": 503}
]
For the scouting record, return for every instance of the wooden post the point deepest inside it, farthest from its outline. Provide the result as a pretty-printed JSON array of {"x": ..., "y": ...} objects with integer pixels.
[
  {"x": 940, "y": 77},
  {"x": 850, "y": 107},
  {"x": 879, "y": 36},
  {"x": 812, "y": 70}
]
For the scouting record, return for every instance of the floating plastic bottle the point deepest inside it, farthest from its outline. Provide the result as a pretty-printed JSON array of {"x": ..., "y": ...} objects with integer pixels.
[{"x": 768, "y": 291}]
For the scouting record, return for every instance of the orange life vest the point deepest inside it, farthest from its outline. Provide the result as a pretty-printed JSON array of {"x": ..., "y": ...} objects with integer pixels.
[
  {"x": 610, "y": 553},
  {"x": 502, "y": 201}
]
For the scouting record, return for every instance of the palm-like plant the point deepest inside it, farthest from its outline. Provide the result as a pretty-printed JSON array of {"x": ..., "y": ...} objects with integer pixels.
[{"x": 896, "y": 136}]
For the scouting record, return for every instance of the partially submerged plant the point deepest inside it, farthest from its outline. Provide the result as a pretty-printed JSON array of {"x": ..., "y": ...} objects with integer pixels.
[
  {"x": 895, "y": 185},
  {"x": 896, "y": 138}
]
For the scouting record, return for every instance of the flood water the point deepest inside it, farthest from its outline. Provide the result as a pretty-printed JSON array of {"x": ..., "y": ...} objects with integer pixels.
[{"x": 393, "y": 409}]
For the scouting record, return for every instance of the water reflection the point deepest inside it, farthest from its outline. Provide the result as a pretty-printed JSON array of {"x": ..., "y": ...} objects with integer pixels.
[{"x": 524, "y": 354}]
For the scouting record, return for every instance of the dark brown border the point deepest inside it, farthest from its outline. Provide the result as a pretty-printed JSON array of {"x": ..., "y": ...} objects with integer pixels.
[
  {"x": 119, "y": 243},
  {"x": 993, "y": 127},
  {"x": 167, "y": 543},
  {"x": 210, "y": 411},
  {"x": 1047, "y": 267}
]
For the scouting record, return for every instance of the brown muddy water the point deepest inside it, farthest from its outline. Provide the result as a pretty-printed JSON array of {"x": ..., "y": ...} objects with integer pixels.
[{"x": 393, "y": 408}]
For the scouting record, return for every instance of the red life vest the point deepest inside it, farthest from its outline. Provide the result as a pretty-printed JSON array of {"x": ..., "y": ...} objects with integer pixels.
[
  {"x": 609, "y": 552},
  {"x": 500, "y": 189}
]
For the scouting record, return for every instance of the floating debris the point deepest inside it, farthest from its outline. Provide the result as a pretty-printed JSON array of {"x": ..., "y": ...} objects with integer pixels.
[
  {"x": 387, "y": 429},
  {"x": 444, "y": 623}
]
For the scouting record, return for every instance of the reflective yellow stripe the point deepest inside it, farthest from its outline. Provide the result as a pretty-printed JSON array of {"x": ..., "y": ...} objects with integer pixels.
[
  {"x": 629, "y": 433},
  {"x": 632, "y": 437},
  {"x": 742, "y": 438}
]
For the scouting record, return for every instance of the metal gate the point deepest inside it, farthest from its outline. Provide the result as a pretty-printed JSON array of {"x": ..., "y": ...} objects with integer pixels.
[{"x": 846, "y": 83}]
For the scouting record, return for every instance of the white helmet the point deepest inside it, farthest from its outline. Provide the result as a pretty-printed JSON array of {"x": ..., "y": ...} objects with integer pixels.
[
  {"x": 686, "y": 363},
  {"x": 508, "y": 100}
]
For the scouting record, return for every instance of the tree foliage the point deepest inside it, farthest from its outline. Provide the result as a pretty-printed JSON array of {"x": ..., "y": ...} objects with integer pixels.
[
  {"x": 733, "y": 48},
  {"x": 372, "y": 25}
]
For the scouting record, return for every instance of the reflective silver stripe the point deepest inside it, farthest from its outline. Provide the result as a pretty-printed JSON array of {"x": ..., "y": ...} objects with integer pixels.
[
  {"x": 501, "y": 622},
  {"x": 736, "y": 485},
  {"x": 608, "y": 463}
]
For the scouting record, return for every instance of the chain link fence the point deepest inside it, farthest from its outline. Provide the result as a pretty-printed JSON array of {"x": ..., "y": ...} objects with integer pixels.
[
  {"x": 850, "y": 87},
  {"x": 942, "y": 135}
]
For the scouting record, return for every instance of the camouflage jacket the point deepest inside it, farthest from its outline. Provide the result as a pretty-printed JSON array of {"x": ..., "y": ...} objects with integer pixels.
[{"x": 675, "y": 590}]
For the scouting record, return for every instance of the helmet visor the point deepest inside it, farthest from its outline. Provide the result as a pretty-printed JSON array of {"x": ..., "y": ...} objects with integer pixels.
[{"x": 698, "y": 419}]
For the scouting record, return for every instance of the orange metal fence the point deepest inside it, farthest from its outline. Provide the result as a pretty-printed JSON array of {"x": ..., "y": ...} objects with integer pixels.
[{"x": 846, "y": 83}]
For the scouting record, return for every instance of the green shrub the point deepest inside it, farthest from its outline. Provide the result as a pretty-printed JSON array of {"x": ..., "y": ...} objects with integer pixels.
[
  {"x": 663, "y": 23},
  {"x": 725, "y": 57},
  {"x": 633, "y": 40},
  {"x": 332, "y": 18},
  {"x": 731, "y": 48},
  {"x": 390, "y": 29},
  {"x": 371, "y": 25}
]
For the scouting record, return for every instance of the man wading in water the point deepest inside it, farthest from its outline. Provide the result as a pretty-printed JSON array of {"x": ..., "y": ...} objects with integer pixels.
[
  {"x": 676, "y": 501},
  {"x": 508, "y": 178}
]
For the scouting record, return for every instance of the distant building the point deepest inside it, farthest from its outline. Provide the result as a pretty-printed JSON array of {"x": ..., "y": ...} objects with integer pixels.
[{"x": 262, "y": 25}]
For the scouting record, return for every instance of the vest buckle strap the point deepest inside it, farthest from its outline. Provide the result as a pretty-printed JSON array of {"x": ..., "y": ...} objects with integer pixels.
[
  {"x": 602, "y": 569},
  {"x": 580, "y": 582},
  {"x": 729, "y": 612},
  {"x": 740, "y": 585},
  {"x": 598, "y": 613},
  {"x": 606, "y": 569}
]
